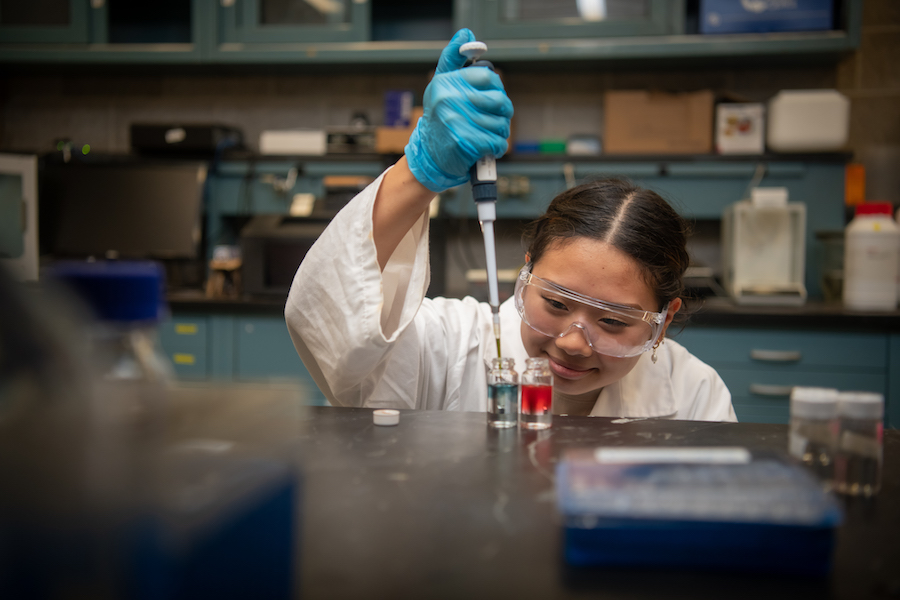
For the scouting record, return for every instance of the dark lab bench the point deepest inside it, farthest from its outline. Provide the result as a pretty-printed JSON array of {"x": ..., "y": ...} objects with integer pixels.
[{"x": 441, "y": 506}]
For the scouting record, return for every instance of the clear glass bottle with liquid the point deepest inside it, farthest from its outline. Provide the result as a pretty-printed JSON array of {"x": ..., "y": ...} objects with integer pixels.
[
  {"x": 503, "y": 393},
  {"x": 537, "y": 394},
  {"x": 813, "y": 430},
  {"x": 859, "y": 443}
]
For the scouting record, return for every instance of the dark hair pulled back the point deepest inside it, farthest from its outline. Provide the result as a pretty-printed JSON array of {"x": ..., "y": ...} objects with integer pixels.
[{"x": 632, "y": 219}]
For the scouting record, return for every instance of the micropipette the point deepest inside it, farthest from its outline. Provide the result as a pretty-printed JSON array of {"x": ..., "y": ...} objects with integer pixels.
[{"x": 483, "y": 177}]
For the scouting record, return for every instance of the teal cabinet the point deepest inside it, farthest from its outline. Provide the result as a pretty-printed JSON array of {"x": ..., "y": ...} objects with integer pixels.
[
  {"x": 243, "y": 189},
  {"x": 19, "y": 215},
  {"x": 892, "y": 410},
  {"x": 47, "y": 21},
  {"x": 533, "y": 19},
  {"x": 293, "y": 21},
  {"x": 361, "y": 32},
  {"x": 106, "y": 31},
  {"x": 264, "y": 349},
  {"x": 698, "y": 189},
  {"x": 186, "y": 342},
  {"x": 221, "y": 346},
  {"x": 761, "y": 366}
]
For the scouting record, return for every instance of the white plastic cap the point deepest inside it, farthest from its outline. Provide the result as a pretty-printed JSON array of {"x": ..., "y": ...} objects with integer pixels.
[
  {"x": 861, "y": 405},
  {"x": 473, "y": 50},
  {"x": 814, "y": 402},
  {"x": 386, "y": 416}
]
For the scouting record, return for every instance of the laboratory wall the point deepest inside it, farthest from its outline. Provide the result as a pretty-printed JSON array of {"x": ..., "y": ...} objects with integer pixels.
[{"x": 96, "y": 106}]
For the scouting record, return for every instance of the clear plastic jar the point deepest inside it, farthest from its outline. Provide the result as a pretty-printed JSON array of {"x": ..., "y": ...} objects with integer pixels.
[
  {"x": 503, "y": 394},
  {"x": 537, "y": 394},
  {"x": 859, "y": 447},
  {"x": 131, "y": 372},
  {"x": 813, "y": 430}
]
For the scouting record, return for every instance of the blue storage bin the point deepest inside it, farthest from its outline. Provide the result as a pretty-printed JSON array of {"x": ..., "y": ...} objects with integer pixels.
[
  {"x": 698, "y": 508},
  {"x": 762, "y": 16}
]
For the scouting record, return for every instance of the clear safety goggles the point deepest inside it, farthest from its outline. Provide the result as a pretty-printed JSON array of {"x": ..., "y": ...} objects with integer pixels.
[{"x": 610, "y": 329}]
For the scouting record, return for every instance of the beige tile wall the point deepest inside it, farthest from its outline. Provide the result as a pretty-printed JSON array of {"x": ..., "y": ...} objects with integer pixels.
[{"x": 871, "y": 78}]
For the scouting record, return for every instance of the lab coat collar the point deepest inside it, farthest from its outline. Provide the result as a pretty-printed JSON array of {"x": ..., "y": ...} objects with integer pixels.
[{"x": 645, "y": 392}]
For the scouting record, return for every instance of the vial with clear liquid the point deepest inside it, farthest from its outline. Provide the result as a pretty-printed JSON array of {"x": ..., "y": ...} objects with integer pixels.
[
  {"x": 813, "y": 430},
  {"x": 503, "y": 394},
  {"x": 537, "y": 394},
  {"x": 859, "y": 447}
]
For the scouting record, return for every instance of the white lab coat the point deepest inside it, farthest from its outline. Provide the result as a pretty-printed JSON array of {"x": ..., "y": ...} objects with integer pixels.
[{"x": 370, "y": 338}]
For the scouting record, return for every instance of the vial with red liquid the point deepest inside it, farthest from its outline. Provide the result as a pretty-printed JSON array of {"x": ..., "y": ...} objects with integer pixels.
[{"x": 536, "y": 411}]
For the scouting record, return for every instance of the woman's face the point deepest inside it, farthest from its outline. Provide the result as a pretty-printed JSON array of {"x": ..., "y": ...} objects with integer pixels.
[{"x": 597, "y": 269}]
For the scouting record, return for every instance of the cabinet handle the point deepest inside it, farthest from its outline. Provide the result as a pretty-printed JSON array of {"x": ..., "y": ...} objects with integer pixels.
[
  {"x": 776, "y": 355},
  {"x": 761, "y": 389}
]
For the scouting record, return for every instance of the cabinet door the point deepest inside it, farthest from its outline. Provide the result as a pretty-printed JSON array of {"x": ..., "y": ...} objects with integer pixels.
[
  {"x": 18, "y": 215},
  {"x": 892, "y": 400},
  {"x": 528, "y": 19},
  {"x": 44, "y": 21},
  {"x": 265, "y": 352},
  {"x": 285, "y": 21},
  {"x": 185, "y": 340},
  {"x": 761, "y": 366}
]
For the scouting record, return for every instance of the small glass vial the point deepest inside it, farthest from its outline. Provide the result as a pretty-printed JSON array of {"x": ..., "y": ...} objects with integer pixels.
[
  {"x": 859, "y": 448},
  {"x": 813, "y": 430},
  {"x": 503, "y": 393},
  {"x": 537, "y": 394}
]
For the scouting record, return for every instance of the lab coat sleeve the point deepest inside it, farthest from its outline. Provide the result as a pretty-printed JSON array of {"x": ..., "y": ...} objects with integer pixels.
[
  {"x": 334, "y": 308},
  {"x": 364, "y": 334}
]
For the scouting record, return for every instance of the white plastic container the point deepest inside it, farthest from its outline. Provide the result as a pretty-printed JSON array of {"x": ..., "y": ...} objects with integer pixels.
[
  {"x": 763, "y": 249},
  {"x": 808, "y": 121},
  {"x": 871, "y": 256}
]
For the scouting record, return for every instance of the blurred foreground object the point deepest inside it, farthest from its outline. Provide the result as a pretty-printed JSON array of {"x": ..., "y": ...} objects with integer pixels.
[
  {"x": 706, "y": 507},
  {"x": 99, "y": 500}
]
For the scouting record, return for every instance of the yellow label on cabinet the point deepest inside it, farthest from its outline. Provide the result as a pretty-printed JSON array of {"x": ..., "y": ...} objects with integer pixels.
[
  {"x": 183, "y": 359},
  {"x": 186, "y": 328}
]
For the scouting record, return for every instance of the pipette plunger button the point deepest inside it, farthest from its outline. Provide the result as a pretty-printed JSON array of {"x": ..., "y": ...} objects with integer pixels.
[{"x": 473, "y": 50}]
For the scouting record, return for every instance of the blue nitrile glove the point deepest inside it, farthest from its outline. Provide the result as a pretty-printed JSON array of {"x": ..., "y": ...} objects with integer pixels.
[{"x": 466, "y": 116}]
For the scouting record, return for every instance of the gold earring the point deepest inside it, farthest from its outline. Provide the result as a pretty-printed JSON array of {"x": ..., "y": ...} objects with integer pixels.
[{"x": 655, "y": 346}]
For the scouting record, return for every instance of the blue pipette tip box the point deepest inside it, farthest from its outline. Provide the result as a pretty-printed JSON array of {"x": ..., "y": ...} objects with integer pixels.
[{"x": 696, "y": 508}]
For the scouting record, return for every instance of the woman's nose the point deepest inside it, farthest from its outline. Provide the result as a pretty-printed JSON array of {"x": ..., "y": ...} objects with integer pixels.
[{"x": 575, "y": 341}]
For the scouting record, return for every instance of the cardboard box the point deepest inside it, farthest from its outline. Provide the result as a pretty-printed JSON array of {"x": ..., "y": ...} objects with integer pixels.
[
  {"x": 643, "y": 122},
  {"x": 393, "y": 140},
  {"x": 740, "y": 128},
  {"x": 763, "y": 16}
]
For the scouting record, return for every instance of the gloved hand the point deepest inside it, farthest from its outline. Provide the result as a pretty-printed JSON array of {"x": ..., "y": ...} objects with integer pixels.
[{"x": 466, "y": 116}]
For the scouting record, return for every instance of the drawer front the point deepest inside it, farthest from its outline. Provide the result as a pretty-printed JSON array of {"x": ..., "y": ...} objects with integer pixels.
[
  {"x": 763, "y": 396},
  {"x": 792, "y": 350},
  {"x": 185, "y": 342}
]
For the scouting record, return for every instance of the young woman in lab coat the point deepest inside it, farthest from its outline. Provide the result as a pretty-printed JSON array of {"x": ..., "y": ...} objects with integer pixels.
[{"x": 601, "y": 285}]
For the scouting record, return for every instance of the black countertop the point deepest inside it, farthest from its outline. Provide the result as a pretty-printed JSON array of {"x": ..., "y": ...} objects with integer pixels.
[
  {"x": 442, "y": 506},
  {"x": 711, "y": 312},
  {"x": 723, "y": 312}
]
